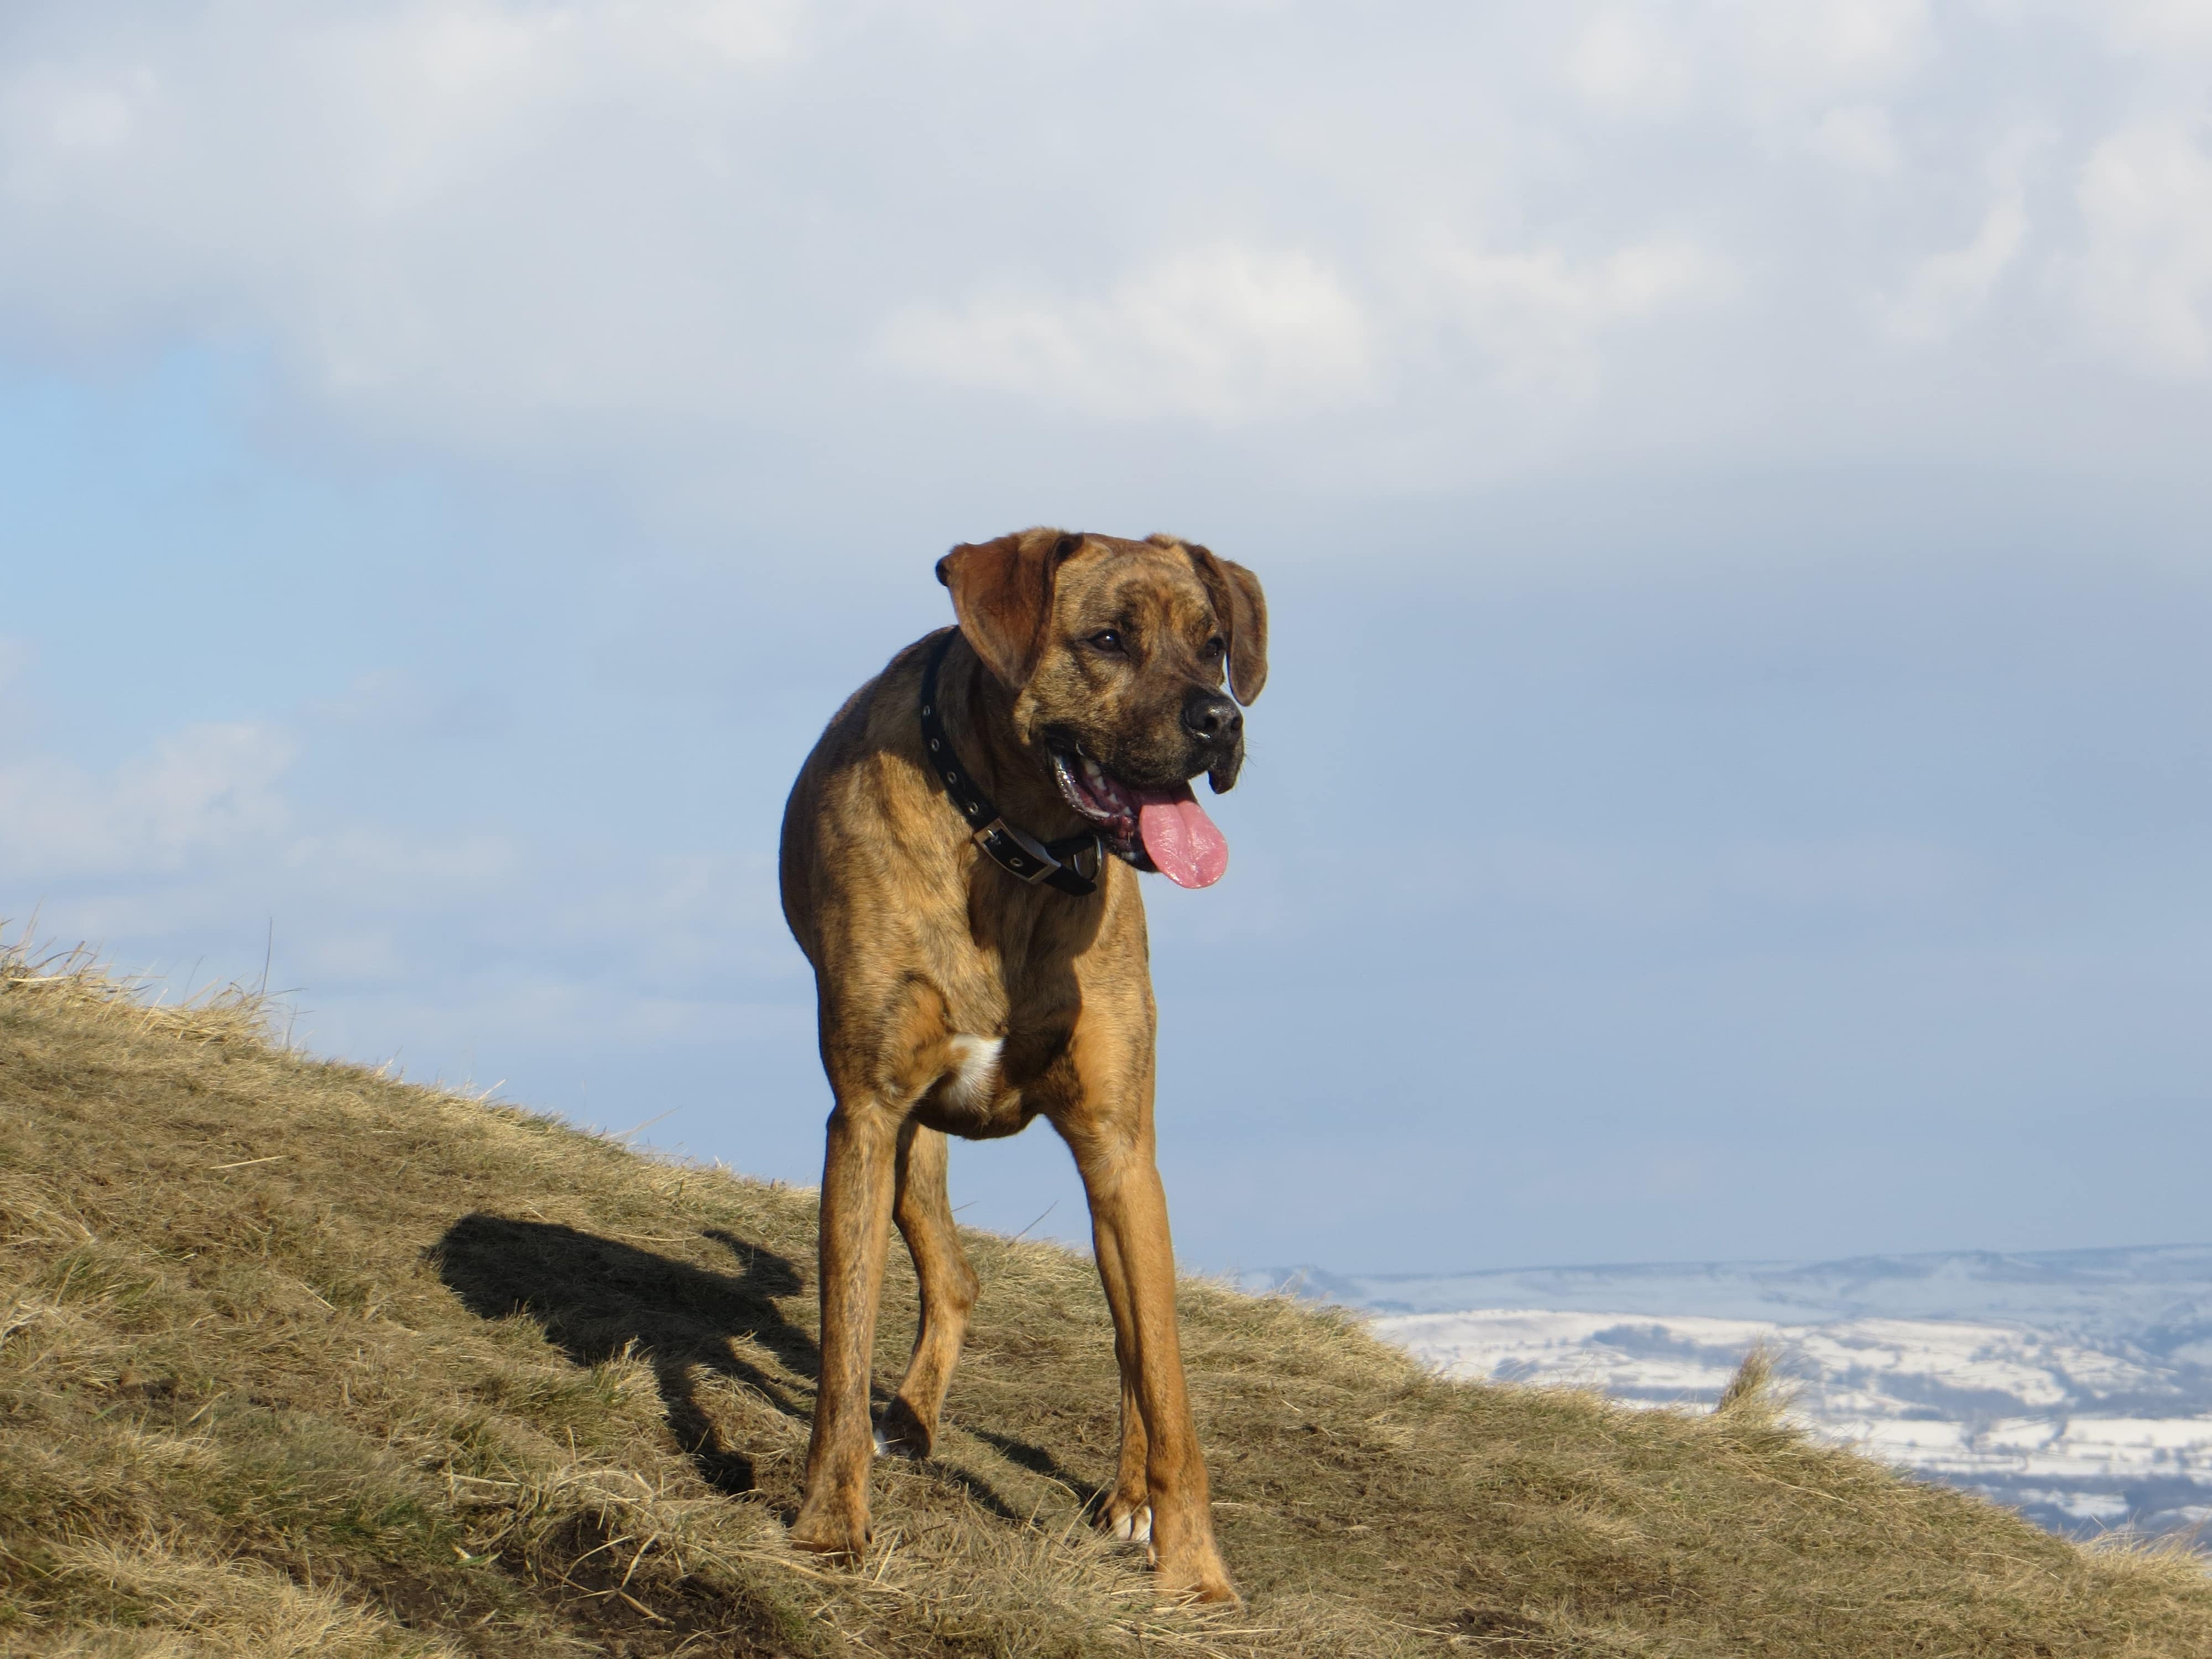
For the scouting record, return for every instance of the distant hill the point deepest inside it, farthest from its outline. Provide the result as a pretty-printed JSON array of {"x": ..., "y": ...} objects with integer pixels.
[
  {"x": 2157, "y": 1294},
  {"x": 299, "y": 1359},
  {"x": 2075, "y": 1385}
]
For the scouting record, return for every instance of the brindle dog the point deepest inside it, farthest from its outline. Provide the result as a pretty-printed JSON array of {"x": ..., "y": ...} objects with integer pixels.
[{"x": 1082, "y": 691}]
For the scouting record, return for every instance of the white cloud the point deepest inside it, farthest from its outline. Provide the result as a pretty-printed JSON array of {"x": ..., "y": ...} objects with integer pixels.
[
  {"x": 1225, "y": 334},
  {"x": 440, "y": 935},
  {"x": 410, "y": 872},
  {"x": 404, "y": 705},
  {"x": 438, "y": 215},
  {"x": 210, "y": 789},
  {"x": 2157, "y": 26},
  {"x": 632, "y": 235},
  {"x": 1629, "y": 60},
  {"x": 1540, "y": 317},
  {"x": 1946, "y": 288},
  {"x": 2144, "y": 279},
  {"x": 1758, "y": 58},
  {"x": 1829, "y": 45},
  {"x": 60, "y": 116},
  {"x": 1859, "y": 138}
]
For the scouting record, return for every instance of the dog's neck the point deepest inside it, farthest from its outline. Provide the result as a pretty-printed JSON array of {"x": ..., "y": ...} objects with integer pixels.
[{"x": 979, "y": 715}]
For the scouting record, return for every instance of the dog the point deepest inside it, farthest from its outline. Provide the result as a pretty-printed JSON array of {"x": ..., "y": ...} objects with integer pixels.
[{"x": 959, "y": 863}]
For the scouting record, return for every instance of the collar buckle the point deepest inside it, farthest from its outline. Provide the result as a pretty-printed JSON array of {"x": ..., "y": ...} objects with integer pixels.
[{"x": 1015, "y": 853}]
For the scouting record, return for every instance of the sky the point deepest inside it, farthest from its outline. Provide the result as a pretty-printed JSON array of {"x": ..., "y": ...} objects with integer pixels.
[{"x": 1736, "y": 777}]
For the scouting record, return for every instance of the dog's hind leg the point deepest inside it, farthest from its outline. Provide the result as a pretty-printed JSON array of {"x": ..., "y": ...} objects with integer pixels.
[{"x": 924, "y": 1212}]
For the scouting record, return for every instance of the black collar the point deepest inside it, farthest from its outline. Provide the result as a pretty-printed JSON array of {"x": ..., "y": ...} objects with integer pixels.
[{"x": 1057, "y": 864}]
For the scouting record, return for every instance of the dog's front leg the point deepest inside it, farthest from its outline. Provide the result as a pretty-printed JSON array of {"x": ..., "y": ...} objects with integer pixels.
[
  {"x": 1136, "y": 1266},
  {"x": 858, "y": 1177},
  {"x": 1127, "y": 1509}
]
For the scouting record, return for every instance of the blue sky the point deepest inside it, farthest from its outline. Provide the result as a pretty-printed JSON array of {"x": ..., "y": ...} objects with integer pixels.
[{"x": 1729, "y": 483}]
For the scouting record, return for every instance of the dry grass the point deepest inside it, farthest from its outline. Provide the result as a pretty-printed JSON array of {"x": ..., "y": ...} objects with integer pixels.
[{"x": 299, "y": 1359}]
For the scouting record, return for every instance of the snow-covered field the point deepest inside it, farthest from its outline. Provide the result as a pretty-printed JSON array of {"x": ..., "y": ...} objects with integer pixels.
[{"x": 2075, "y": 1385}]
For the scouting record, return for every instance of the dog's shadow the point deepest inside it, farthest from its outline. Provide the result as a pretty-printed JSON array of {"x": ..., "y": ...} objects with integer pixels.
[{"x": 596, "y": 1297}]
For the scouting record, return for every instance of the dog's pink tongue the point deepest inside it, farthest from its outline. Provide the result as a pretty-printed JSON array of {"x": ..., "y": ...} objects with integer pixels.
[{"x": 1181, "y": 840}]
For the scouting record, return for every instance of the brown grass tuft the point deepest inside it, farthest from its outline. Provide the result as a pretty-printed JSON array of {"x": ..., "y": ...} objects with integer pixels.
[
  {"x": 1751, "y": 1391},
  {"x": 78, "y": 978},
  {"x": 295, "y": 1359}
]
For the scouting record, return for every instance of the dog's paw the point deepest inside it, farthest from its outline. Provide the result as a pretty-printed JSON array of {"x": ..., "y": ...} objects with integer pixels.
[
  {"x": 1134, "y": 1526},
  {"x": 1195, "y": 1572},
  {"x": 1211, "y": 1587},
  {"x": 901, "y": 1434},
  {"x": 1127, "y": 1517},
  {"x": 837, "y": 1534},
  {"x": 890, "y": 1442}
]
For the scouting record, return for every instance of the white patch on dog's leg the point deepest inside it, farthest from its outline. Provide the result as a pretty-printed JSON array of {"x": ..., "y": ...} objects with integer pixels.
[
  {"x": 883, "y": 1447},
  {"x": 974, "y": 1068},
  {"x": 1135, "y": 1526}
]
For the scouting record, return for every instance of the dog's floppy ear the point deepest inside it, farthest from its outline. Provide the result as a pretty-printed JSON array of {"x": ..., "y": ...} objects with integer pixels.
[
  {"x": 1002, "y": 593},
  {"x": 1243, "y": 609}
]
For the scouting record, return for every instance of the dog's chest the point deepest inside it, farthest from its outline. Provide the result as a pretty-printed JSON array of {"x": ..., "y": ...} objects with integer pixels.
[
  {"x": 972, "y": 1096},
  {"x": 1016, "y": 983},
  {"x": 991, "y": 1081},
  {"x": 1001, "y": 1062}
]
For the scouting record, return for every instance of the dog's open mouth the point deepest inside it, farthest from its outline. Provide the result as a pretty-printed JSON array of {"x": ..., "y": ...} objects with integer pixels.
[{"x": 1168, "y": 826}]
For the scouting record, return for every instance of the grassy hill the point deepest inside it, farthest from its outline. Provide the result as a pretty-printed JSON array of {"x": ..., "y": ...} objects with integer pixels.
[{"x": 298, "y": 1359}]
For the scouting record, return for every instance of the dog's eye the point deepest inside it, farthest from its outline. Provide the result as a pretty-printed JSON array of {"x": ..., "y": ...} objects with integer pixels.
[
  {"x": 1215, "y": 646},
  {"x": 1107, "y": 639}
]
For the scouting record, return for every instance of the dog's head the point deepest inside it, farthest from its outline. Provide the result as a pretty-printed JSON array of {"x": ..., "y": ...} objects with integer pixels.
[{"x": 1118, "y": 654}]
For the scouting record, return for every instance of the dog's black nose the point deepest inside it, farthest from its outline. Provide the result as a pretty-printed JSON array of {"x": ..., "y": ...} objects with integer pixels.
[{"x": 1210, "y": 715}]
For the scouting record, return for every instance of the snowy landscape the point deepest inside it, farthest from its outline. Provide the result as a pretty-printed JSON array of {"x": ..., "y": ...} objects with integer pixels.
[{"x": 2074, "y": 1385}]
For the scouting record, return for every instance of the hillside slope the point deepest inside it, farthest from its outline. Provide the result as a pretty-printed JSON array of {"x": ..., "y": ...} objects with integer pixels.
[{"x": 299, "y": 1359}]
